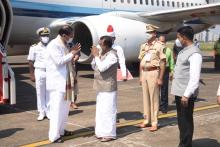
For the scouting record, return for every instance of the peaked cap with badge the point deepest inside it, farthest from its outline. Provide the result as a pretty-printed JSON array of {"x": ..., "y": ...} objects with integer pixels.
[{"x": 43, "y": 31}]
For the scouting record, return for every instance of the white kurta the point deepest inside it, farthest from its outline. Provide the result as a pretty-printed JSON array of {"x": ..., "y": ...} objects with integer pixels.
[
  {"x": 37, "y": 54},
  {"x": 194, "y": 71},
  {"x": 56, "y": 75},
  {"x": 121, "y": 58},
  {"x": 106, "y": 109}
]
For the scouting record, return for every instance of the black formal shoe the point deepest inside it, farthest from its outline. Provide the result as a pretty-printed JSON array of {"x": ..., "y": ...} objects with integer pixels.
[
  {"x": 59, "y": 140},
  {"x": 164, "y": 111}
]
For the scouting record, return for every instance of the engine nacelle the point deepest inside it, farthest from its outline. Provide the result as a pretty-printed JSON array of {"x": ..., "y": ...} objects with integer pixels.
[{"x": 129, "y": 34}]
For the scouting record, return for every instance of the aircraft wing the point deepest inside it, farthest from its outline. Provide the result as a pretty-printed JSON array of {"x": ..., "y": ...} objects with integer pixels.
[{"x": 180, "y": 14}]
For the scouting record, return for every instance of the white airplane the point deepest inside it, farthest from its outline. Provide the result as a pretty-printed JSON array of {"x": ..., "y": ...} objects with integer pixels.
[{"x": 90, "y": 19}]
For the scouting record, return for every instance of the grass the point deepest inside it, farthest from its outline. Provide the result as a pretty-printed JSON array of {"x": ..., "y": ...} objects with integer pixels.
[{"x": 204, "y": 46}]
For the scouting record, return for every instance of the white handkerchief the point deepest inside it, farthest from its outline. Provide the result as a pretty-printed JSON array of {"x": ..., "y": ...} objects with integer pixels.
[{"x": 147, "y": 56}]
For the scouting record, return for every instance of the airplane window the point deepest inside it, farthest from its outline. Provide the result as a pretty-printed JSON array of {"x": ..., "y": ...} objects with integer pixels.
[
  {"x": 163, "y": 3},
  {"x": 178, "y": 4},
  {"x": 183, "y": 4},
  {"x": 122, "y": 1},
  {"x": 191, "y": 4},
  {"x": 158, "y": 3},
  {"x": 196, "y": 4},
  {"x": 114, "y": 1},
  {"x": 141, "y": 2},
  {"x": 146, "y": 1},
  {"x": 129, "y": 1},
  {"x": 135, "y": 1},
  {"x": 168, "y": 3},
  {"x": 152, "y": 2},
  {"x": 187, "y": 4},
  {"x": 173, "y": 4}
]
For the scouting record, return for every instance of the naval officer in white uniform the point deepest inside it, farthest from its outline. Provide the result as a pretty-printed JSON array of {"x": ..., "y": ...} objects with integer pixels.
[{"x": 36, "y": 58}]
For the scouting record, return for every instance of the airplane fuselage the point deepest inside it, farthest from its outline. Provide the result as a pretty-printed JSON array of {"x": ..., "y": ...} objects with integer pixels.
[{"x": 29, "y": 15}]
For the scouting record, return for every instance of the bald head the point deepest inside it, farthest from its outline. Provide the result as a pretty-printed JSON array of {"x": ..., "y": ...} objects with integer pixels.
[{"x": 162, "y": 39}]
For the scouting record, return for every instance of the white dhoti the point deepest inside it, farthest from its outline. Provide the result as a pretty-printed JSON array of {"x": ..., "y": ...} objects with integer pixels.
[
  {"x": 59, "y": 110},
  {"x": 42, "y": 94},
  {"x": 106, "y": 110}
]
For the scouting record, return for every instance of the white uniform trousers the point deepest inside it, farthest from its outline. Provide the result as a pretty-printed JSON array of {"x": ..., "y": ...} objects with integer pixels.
[
  {"x": 106, "y": 110},
  {"x": 59, "y": 110},
  {"x": 42, "y": 94}
]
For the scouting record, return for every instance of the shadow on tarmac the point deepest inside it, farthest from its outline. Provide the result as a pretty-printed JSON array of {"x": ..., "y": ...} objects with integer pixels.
[
  {"x": 205, "y": 142},
  {"x": 9, "y": 132},
  {"x": 135, "y": 115},
  {"x": 26, "y": 93},
  {"x": 73, "y": 112},
  {"x": 88, "y": 103}
]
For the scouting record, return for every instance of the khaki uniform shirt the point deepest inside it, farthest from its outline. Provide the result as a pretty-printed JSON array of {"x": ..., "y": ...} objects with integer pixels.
[{"x": 151, "y": 54}]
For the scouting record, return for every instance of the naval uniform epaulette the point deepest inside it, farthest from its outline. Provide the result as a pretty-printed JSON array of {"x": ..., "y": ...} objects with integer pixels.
[{"x": 34, "y": 45}]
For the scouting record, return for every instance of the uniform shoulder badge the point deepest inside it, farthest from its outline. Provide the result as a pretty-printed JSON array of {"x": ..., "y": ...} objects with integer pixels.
[{"x": 33, "y": 45}]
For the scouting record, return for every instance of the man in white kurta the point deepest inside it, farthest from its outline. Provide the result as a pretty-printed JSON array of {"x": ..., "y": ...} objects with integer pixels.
[
  {"x": 105, "y": 83},
  {"x": 56, "y": 74},
  {"x": 36, "y": 58}
]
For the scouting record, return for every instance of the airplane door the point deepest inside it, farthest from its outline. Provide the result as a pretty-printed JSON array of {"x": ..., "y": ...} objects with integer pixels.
[
  {"x": 106, "y": 4},
  {"x": 5, "y": 21},
  {"x": 7, "y": 80}
]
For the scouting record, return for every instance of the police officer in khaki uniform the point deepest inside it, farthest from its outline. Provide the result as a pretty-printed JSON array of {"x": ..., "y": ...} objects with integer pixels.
[
  {"x": 36, "y": 58},
  {"x": 152, "y": 67}
]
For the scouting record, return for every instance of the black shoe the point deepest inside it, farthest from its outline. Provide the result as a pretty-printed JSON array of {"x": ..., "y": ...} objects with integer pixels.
[
  {"x": 59, "y": 140},
  {"x": 164, "y": 111}
]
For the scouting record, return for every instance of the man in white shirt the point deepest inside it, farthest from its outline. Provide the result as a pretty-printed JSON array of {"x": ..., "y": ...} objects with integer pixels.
[
  {"x": 120, "y": 52},
  {"x": 186, "y": 82},
  {"x": 58, "y": 65},
  {"x": 37, "y": 69},
  {"x": 105, "y": 83}
]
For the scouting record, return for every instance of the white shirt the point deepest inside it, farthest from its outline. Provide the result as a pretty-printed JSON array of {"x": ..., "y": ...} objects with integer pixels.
[
  {"x": 195, "y": 61},
  {"x": 37, "y": 53},
  {"x": 105, "y": 64},
  {"x": 121, "y": 58},
  {"x": 56, "y": 65},
  {"x": 218, "y": 92}
]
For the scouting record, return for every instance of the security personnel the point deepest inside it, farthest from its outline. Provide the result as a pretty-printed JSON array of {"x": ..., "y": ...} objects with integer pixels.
[
  {"x": 217, "y": 54},
  {"x": 168, "y": 74},
  {"x": 152, "y": 67},
  {"x": 37, "y": 68}
]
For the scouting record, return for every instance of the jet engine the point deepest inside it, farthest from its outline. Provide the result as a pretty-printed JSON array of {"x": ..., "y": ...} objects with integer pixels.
[{"x": 129, "y": 34}]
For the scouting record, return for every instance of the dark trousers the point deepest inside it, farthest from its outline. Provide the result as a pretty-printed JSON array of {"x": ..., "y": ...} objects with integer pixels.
[
  {"x": 164, "y": 91},
  {"x": 185, "y": 121},
  {"x": 217, "y": 62}
]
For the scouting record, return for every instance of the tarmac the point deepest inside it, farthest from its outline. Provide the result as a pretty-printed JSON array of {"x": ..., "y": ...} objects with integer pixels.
[{"x": 19, "y": 127}]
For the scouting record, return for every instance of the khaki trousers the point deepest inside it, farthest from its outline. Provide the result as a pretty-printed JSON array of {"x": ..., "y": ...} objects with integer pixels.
[{"x": 150, "y": 96}]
